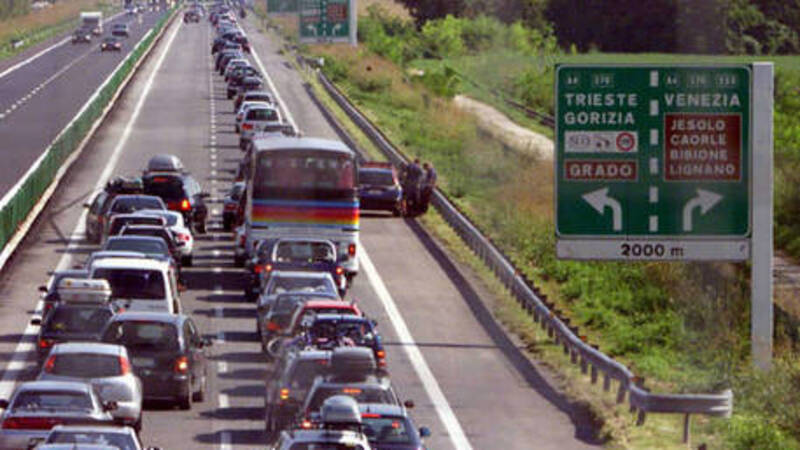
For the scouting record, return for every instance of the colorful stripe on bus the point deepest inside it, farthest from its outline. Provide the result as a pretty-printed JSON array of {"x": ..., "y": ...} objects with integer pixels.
[{"x": 305, "y": 213}]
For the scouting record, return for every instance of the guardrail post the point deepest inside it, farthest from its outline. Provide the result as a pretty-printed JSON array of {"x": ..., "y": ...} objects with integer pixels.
[
  {"x": 594, "y": 374},
  {"x": 640, "y": 418},
  {"x": 606, "y": 382},
  {"x": 584, "y": 366},
  {"x": 687, "y": 423},
  {"x": 621, "y": 393}
]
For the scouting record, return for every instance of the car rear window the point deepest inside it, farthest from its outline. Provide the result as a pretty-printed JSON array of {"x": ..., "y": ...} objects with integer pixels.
[
  {"x": 58, "y": 400},
  {"x": 386, "y": 430},
  {"x": 122, "y": 441},
  {"x": 375, "y": 178},
  {"x": 365, "y": 394},
  {"x": 86, "y": 365},
  {"x": 146, "y": 246},
  {"x": 304, "y": 371},
  {"x": 259, "y": 98},
  {"x": 262, "y": 114},
  {"x": 132, "y": 204},
  {"x": 168, "y": 188},
  {"x": 133, "y": 283},
  {"x": 141, "y": 334},
  {"x": 119, "y": 222},
  {"x": 71, "y": 319},
  {"x": 304, "y": 252},
  {"x": 304, "y": 284}
]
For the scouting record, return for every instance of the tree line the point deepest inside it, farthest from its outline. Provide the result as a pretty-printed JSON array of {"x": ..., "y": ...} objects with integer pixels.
[{"x": 685, "y": 26}]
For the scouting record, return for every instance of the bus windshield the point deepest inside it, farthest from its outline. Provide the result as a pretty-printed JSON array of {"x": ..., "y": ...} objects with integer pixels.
[{"x": 299, "y": 174}]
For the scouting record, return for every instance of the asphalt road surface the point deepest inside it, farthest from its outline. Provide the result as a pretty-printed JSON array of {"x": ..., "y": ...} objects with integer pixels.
[
  {"x": 38, "y": 99},
  {"x": 471, "y": 385}
]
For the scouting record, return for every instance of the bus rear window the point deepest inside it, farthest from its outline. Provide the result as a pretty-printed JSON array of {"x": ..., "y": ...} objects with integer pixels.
[{"x": 312, "y": 171}]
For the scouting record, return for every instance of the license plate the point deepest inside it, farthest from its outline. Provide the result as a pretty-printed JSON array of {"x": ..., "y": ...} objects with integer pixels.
[{"x": 144, "y": 362}]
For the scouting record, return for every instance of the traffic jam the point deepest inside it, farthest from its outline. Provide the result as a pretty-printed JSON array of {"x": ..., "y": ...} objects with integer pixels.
[{"x": 113, "y": 336}]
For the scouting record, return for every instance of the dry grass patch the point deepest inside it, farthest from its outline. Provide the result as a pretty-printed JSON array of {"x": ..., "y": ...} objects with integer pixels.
[
  {"x": 57, "y": 14},
  {"x": 392, "y": 8}
]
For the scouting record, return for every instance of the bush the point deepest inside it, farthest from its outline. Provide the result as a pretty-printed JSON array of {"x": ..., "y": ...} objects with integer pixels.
[
  {"x": 442, "y": 38},
  {"x": 750, "y": 432}
]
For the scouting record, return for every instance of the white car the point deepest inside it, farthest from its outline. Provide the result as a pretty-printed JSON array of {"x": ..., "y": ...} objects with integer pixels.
[
  {"x": 140, "y": 284},
  {"x": 184, "y": 237},
  {"x": 255, "y": 120},
  {"x": 243, "y": 111}
]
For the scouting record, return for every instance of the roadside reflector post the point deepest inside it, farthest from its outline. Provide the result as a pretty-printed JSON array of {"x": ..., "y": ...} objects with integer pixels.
[{"x": 761, "y": 320}]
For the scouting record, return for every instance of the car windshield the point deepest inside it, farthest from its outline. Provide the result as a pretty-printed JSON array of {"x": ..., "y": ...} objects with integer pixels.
[
  {"x": 143, "y": 334},
  {"x": 133, "y": 283},
  {"x": 167, "y": 187},
  {"x": 131, "y": 204},
  {"x": 283, "y": 284},
  {"x": 57, "y": 400},
  {"x": 122, "y": 441},
  {"x": 363, "y": 394},
  {"x": 76, "y": 319},
  {"x": 304, "y": 252},
  {"x": 146, "y": 246},
  {"x": 375, "y": 178},
  {"x": 86, "y": 365},
  {"x": 386, "y": 430}
]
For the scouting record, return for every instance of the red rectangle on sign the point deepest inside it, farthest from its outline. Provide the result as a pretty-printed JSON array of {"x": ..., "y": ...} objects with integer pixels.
[
  {"x": 702, "y": 147},
  {"x": 600, "y": 169}
]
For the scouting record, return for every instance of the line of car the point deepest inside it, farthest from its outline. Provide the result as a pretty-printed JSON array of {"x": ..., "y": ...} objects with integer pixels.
[{"x": 329, "y": 384}]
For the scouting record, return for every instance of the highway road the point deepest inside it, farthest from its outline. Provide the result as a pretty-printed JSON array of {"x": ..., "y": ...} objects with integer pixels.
[
  {"x": 39, "y": 98},
  {"x": 472, "y": 386}
]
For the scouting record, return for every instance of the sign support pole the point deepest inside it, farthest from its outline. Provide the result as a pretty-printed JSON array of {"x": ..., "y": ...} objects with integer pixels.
[
  {"x": 353, "y": 23},
  {"x": 761, "y": 267}
]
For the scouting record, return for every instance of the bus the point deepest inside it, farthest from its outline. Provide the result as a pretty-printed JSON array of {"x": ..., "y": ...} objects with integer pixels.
[{"x": 303, "y": 187}]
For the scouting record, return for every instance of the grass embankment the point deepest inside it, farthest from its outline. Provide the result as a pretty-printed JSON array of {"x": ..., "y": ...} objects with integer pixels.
[
  {"x": 37, "y": 26},
  {"x": 681, "y": 326}
]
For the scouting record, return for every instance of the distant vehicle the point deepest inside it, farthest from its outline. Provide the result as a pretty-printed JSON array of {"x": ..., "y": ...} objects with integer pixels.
[
  {"x": 118, "y": 221},
  {"x": 191, "y": 16},
  {"x": 92, "y": 20},
  {"x": 182, "y": 193},
  {"x": 379, "y": 188},
  {"x": 256, "y": 119},
  {"x": 140, "y": 284},
  {"x": 127, "y": 204},
  {"x": 98, "y": 208},
  {"x": 120, "y": 29},
  {"x": 164, "y": 163},
  {"x": 242, "y": 112},
  {"x": 105, "y": 366},
  {"x": 233, "y": 64},
  {"x": 122, "y": 438},
  {"x": 111, "y": 44},
  {"x": 254, "y": 96},
  {"x": 37, "y": 406},
  {"x": 82, "y": 35},
  {"x": 390, "y": 427},
  {"x": 168, "y": 354},
  {"x": 148, "y": 245},
  {"x": 183, "y": 235}
]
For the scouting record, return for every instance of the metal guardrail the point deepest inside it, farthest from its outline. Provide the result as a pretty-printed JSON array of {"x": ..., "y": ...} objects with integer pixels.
[{"x": 591, "y": 360}]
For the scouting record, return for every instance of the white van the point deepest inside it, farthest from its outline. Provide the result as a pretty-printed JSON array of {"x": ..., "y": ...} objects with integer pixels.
[{"x": 139, "y": 284}]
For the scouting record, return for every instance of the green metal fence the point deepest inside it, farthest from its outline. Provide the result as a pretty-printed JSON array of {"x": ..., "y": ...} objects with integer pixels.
[{"x": 14, "y": 212}]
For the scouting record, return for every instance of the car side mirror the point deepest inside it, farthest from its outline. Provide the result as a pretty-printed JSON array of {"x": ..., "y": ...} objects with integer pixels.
[
  {"x": 110, "y": 406},
  {"x": 36, "y": 321},
  {"x": 3, "y": 403},
  {"x": 42, "y": 289},
  {"x": 408, "y": 404},
  {"x": 424, "y": 432}
]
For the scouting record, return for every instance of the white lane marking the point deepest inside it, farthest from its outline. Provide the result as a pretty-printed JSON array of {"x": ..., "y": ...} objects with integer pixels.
[
  {"x": 217, "y": 269},
  {"x": 223, "y": 401},
  {"x": 275, "y": 91},
  {"x": 443, "y": 409},
  {"x": 225, "y": 440},
  {"x": 216, "y": 253},
  {"x": 18, "y": 359},
  {"x": 222, "y": 367},
  {"x": 57, "y": 44}
]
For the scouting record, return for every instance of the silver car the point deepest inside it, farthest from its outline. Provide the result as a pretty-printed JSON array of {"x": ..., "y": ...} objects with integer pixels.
[
  {"x": 240, "y": 114},
  {"x": 255, "y": 120},
  {"x": 107, "y": 367},
  {"x": 318, "y": 284},
  {"x": 122, "y": 438},
  {"x": 37, "y": 406}
]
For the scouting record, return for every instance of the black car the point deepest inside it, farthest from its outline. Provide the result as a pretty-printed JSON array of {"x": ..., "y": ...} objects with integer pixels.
[
  {"x": 82, "y": 35},
  {"x": 111, "y": 44},
  {"x": 237, "y": 77},
  {"x": 120, "y": 29},
  {"x": 181, "y": 193},
  {"x": 379, "y": 188},
  {"x": 232, "y": 209},
  {"x": 191, "y": 16},
  {"x": 286, "y": 389},
  {"x": 49, "y": 292},
  {"x": 72, "y": 322},
  {"x": 167, "y": 352},
  {"x": 226, "y": 54},
  {"x": 156, "y": 231}
]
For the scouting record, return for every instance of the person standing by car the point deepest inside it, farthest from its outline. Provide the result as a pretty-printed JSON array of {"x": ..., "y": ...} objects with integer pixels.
[
  {"x": 412, "y": 176},
  {"x": 428, "y": 185}
]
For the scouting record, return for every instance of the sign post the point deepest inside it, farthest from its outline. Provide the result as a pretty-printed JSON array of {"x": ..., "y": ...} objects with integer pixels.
[
  {"x": 668, "y": 163},
  {"x": 327, "y": 21}
]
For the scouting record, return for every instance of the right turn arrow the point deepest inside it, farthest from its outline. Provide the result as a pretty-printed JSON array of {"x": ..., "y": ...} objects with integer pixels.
[
  {"x": 705, "y": 200},
  {"x": 599, "y": 199}
]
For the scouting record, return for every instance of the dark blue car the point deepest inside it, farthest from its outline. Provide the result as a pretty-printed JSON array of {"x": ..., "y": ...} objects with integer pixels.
[
  {"x": 329, "y": 331},
  {"x": 379, "y": 188}
]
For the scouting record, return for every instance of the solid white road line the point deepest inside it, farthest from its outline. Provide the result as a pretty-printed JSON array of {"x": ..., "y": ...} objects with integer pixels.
[
  {"x": 445, "y": 413},
  {"x": 25, "y": 345}
]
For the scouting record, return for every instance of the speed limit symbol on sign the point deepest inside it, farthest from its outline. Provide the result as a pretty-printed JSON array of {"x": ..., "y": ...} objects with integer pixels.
[{"x": 626, "y": 141}]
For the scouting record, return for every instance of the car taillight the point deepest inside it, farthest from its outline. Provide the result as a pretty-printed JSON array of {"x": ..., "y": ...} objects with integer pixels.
[
  {"x": 247, "y": 126},
  {"x": 370, "y": 416},
  {"x": 230, "y": 207},
  {"x": 182, "y": 364},
  {"x": 273, "y": 326},
  {"x": 124, "y": 365},
  {"x": 185, "y": 206},
  {"x": 45, "y": 343},
  {"x": 306, "y": 425},
  {"x": 30, "y": 423},
  {"x": 183, "y": 237},
  {"x": 381, "y": 354},
  {"x": 351, "y": 250},
  {"x": 285, "y": 394},
  {"x": 339, "y": 270},
  {"x": 50, "y": 364}
]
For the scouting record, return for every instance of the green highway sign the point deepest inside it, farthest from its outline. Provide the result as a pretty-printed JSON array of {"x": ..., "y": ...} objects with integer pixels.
[
  {"x": 324, "y": 21},
  {"x": 653, "y": 162},
  {"x": 281, "y": 6}
]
